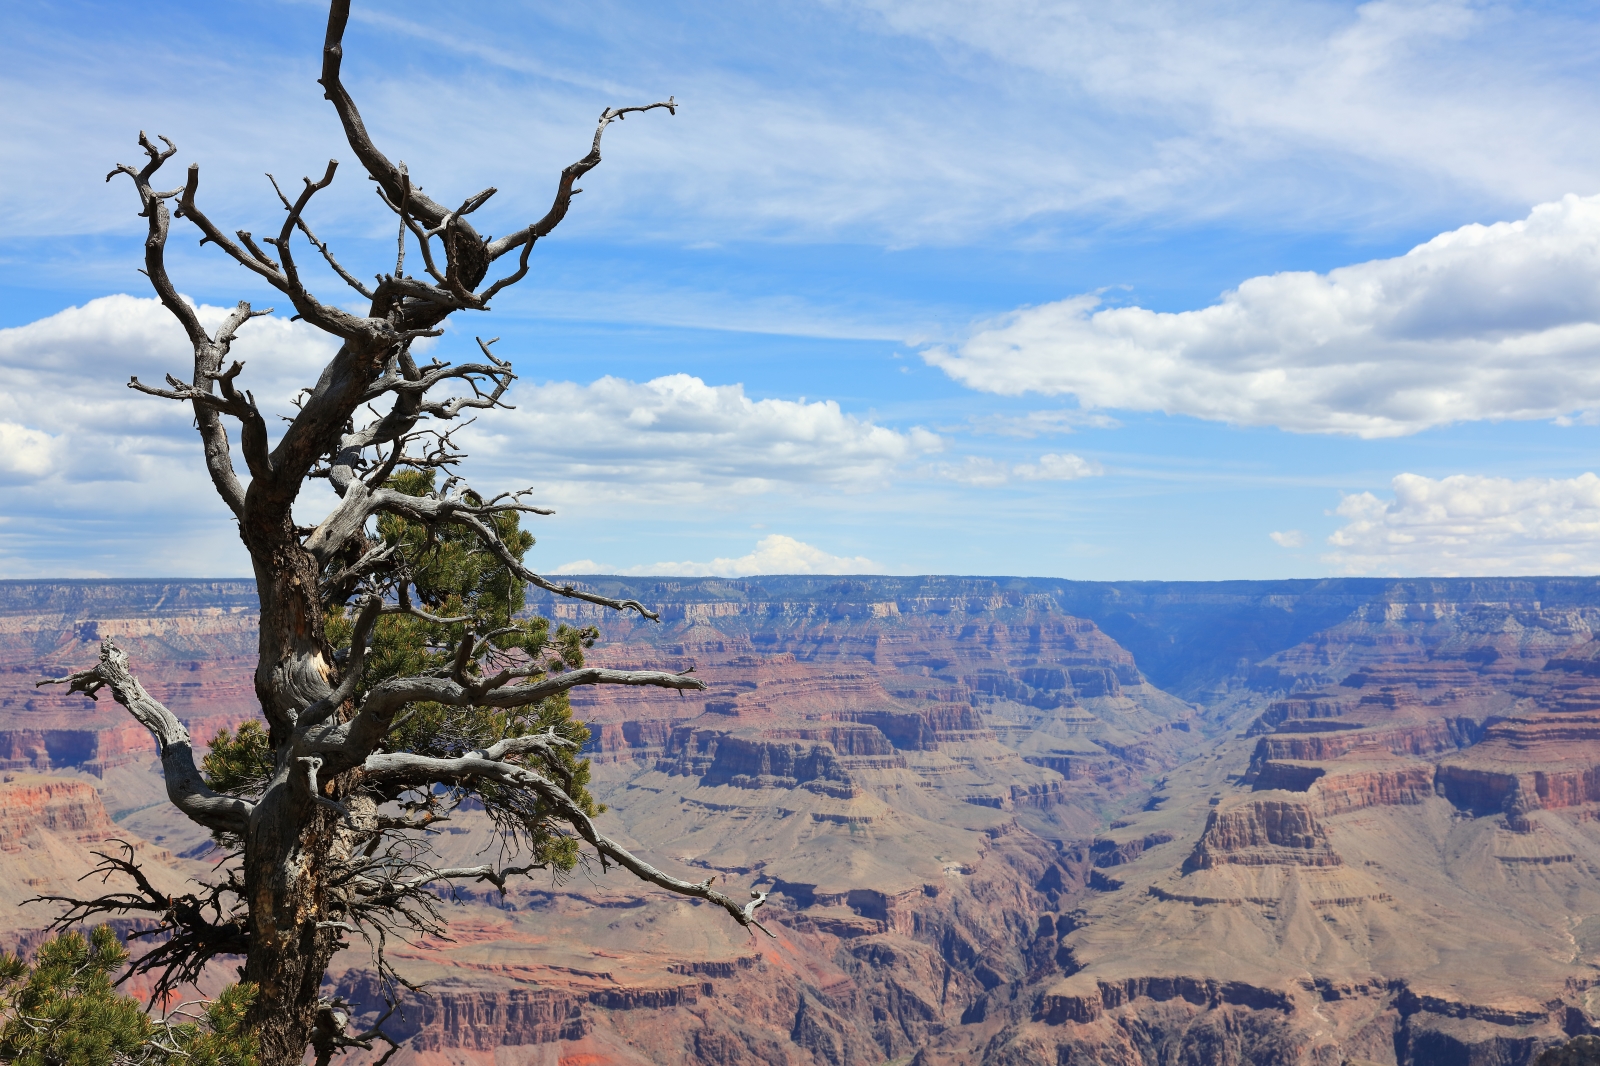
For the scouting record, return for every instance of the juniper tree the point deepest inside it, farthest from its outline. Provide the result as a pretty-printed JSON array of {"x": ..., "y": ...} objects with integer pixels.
[{"x": 396, "y": 678}]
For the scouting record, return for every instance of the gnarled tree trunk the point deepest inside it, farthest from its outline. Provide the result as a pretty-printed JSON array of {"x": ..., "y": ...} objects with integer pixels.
[{"x": 326, "y": 806}]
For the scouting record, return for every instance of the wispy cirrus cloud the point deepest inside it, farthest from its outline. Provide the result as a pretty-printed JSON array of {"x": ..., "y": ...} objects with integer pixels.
[
  {"x": 1192, "y": 111},
  {"x": 986, "y": 472},
  {"x": 1408, "y": 85},
  {"x": 1049, "y": 423}
]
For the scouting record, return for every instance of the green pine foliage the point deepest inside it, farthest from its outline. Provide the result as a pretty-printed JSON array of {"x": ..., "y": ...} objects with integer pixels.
[
  {"x": 454, "y": 577},
  {"x": 64, "y": 1010},
  {"x": 239, "y": 764}
]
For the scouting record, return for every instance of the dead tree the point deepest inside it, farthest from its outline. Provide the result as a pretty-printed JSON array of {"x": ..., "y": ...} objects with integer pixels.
[{"x": 327, "y": 806}]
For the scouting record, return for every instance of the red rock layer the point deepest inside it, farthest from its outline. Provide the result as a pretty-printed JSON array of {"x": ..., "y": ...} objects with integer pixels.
[
  {"x": 1088, "y": 1005},
  {"x": 71, "y": 809},
  {"x": 1545, "y": 761},
  {"x": 1262, "y": 832}
]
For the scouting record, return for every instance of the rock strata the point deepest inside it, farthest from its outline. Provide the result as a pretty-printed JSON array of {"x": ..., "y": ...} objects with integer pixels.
[
  {"x": 1263, "y": 830},
  {"x": 1000, "y": 821}
]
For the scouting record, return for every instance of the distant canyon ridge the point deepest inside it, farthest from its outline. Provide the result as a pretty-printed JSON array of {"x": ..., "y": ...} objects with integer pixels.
[{"x": 1003, "y": 820}]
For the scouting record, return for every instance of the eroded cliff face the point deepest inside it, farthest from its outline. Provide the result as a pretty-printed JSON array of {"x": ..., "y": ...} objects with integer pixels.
[
  {"x": 31, "y": 805},
  {"x": 1365, "y": 828},
  {"x": 1262, "y": 831},
  {"x": 863, "y": 975},
  {"x": 194, "y": 642},
  {"x": 1411, "y": 830},
  {"x": 52, "y": 829}
]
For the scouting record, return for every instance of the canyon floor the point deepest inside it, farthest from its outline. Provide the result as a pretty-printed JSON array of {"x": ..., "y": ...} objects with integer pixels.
[{"x": 1002, "y": 821}]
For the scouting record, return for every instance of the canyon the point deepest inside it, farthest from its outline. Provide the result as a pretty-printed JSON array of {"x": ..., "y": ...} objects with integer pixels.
[{"x": 1001, "y": 820}]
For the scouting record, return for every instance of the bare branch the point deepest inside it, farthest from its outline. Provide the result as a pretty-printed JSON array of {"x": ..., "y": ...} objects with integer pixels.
[
  {"x": 312, "y": 310},
  {"x": 421, "y": 770},
  {"x": 187, "y": 208},
  {"x": 363, "y": 499},
  {"x": 389, "y": 177},
  {"x": 418, "y": 612},
  {"x": 309, "y": 765},
  {"x": 370, "y": 562},
  {"x": 564, "y": 193},
  {"x": 486, "y": 872},
  {"x": 407, "y": 223},
  {"x": 350, "y": 742},
  {"x": 185, "y": 787},
  {"x": 333, "y": 1019},
  {"x": 440, "y": 372},
  {"x": 185, "y": 939},
  {"x": 396, "y": 692},
  {"x": 492, "y": 541},
  {"x": 305, "y": 228},
  {"x": 284, "y": 278},
  {"x": 261, "y": 257},
  {"x": 208, "y": 353},
  {"x": 349, "y": 278}
]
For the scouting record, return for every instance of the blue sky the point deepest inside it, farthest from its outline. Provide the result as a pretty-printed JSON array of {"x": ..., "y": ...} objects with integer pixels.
[{"x": 1026, "y": 288}]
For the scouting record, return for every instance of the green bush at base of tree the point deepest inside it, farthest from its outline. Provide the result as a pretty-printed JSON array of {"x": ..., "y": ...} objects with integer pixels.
[{"x": 64, "y": 1010}]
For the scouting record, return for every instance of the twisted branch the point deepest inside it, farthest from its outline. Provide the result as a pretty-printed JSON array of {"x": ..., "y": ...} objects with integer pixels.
[
  {"x": 421, "y": 770},
  {"x": 186, "y": 939},
  {"x": 185, "y": 787}
]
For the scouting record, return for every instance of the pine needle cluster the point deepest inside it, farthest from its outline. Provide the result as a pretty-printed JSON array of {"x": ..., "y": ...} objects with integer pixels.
[
  {"x": 64, "y": 1010},
  {"x": 477, "y": 601}
]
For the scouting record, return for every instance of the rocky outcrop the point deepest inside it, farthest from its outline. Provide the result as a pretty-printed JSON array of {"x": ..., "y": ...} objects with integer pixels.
[
  {"x": 1086, "y": 999},
  {"x": 1342, "y": 786},
  {"x": 1548, "y": 761},
  {"x": 784, "y": 758},
  {"x": 627, "y": 741},
  {"x": 454, "y": 1015},
  {"x": 1428, "y": 736},
  {"x": 33, "y": 803},
  {"x": 919, "y": 730},
  {"x": 1306, "y": 710},
  {"x": 1263, "y": 831},
  {"x": 1355, "y": 787},
  {"x": 1106, "y": 852}
]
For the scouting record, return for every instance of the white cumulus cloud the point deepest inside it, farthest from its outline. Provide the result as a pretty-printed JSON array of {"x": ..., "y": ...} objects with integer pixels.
[
  {"x": 774, "y": 554},
  {"x": 1471, "y": 525},
  {"x": 102, "y": 480},
  {"x": 1484, "y": 322},
  {"x": 80, "y": 451},
  {"x": 25, "y": 454},
  {"x": 1289, "y": 538},
  {"x": 1054, "y": 467},
  {"x": 678, "y": 437}
]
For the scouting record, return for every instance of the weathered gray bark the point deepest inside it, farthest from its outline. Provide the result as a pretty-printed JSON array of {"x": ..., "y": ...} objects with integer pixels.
[{"x": 311, "y": 865}]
